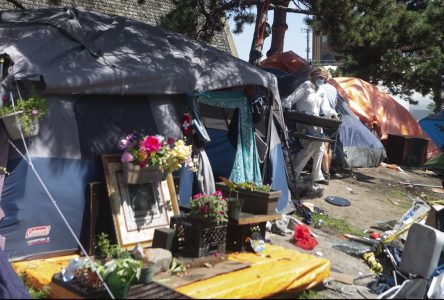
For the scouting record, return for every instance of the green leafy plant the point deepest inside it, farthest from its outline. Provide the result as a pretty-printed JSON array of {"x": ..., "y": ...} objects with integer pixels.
[
  {"x": 31, "y": 109},
  {"x": 106, "y": 250},
  {"x": 212, "y": 207},
  {"x": 115, "y": 265},
  {"x": 247, "y": 185},
  {"x": 177, "y": 267},
  {"x": 122, "y": 270}
]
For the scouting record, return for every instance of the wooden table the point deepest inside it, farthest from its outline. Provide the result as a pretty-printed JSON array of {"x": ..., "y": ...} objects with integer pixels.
[
  {"x": 74, "y": 290},
  {"x": 239, "y": 230}
]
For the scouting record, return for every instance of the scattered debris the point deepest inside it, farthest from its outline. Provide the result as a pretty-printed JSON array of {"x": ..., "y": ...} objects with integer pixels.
[
  {"x": 360, "y": 239},
  {"x": 350, "y": 190},
  {"x": 338, "y": 201},
  {"x": 319, "y": 253},
  {"x": 420, "y": 184},
  {"x": 374, "y": 265},
  {"x": 352, "y": 248},
  {"x": 303, "y": 238}
]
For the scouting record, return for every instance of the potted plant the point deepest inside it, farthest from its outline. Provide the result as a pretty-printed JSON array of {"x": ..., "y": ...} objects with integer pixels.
[
  {"x": 257, "y": 199},
  {"x": 116, "y": 266},
  {"x": 119, "y": 274},
  {"x": 149, "y": 158},
  {"x": 27, "y": 112},
  {"x": 205, "y": 228},
  {"x": 234, "y": 202}
]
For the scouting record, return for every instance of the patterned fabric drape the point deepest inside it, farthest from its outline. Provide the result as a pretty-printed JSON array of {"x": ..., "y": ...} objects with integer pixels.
[{"x": 246, "y": 164}]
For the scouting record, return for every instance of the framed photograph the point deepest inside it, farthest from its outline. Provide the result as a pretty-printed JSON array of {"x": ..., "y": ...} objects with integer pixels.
[{"x": 138, "y": 209}]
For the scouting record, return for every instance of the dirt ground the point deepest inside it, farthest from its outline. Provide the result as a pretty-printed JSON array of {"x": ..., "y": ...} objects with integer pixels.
[{"x": 376, "y": 194}]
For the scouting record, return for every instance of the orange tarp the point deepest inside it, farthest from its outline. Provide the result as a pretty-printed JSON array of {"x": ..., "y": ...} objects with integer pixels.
[
  {"x": 376, "y": 107},
  {"x": 288, "y": 62},
  {"x": 276, "y": 270}
]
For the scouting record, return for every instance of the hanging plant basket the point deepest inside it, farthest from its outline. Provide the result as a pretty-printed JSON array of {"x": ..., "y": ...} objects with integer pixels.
[
  {"x": 12, "y": 128},
  {"x": 137, "y": 175}
]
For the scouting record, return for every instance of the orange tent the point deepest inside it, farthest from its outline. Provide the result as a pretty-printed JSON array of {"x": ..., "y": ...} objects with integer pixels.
[
  {"x": 377, "y": 109},
  {"x": 288, "y": 62}
]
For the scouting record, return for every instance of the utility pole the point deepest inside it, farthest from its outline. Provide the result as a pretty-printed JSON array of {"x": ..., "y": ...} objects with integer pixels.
[{"x": 307, "y": 31}]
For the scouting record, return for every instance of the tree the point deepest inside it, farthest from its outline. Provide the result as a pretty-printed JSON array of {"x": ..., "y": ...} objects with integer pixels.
[
  {"x": 201, "y": 19},
  {"x": 398, "y": 43}
]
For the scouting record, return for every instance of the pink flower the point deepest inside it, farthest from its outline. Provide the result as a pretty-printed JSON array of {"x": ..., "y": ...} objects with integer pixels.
[
  {"x": 127, "y": 157},
  {"x": 125, "y": 143},
  {"x": 152, "y": 144},
  {"x": 199, "y": 195},
  {"x": 34, "y": 112},
  {"x": 218, "y": 193}
]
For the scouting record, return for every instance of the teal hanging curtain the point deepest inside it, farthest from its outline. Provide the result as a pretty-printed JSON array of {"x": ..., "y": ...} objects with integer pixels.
[{"x": 246, "y": 164}]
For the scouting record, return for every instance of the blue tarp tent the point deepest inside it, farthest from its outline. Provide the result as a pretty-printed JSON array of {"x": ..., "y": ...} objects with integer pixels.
[
  {"x": 357, "y": 146},
  {"x": 103, "y": 76},
  {"x": 434, "y": 127}
]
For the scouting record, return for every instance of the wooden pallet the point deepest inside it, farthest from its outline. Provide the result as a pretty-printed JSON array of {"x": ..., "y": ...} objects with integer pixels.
[{"x": 73, "y": 289}]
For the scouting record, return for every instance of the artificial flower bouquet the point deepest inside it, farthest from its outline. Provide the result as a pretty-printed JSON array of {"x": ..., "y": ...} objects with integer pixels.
[
  {"x": 212, "y": 207},
  {"x": 145, "y": 152}
]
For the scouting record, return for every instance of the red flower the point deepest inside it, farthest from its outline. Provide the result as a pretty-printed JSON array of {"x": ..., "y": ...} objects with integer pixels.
[
  {"x": 152, "y": 144},
  {"x": 170, "y": 141},
  {"x": 218, "y": 193}
]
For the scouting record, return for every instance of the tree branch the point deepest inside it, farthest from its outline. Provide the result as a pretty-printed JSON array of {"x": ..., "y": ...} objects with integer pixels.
[
  {"x": 16, "y": 4},
  {"x": 290, "y": 9}
]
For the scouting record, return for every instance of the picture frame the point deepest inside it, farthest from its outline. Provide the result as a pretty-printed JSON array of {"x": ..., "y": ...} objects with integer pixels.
[{"x": 138, "y": 209}]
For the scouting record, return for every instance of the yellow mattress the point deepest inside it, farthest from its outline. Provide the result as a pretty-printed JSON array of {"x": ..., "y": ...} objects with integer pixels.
[{"x": 276, "y": 270}]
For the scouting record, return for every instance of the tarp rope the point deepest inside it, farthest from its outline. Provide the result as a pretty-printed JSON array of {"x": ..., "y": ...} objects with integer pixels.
[{"x": 28, "y": 160}]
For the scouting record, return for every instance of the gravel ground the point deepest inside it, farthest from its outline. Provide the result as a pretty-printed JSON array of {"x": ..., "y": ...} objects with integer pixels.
[{"x": 376, "y": 194}]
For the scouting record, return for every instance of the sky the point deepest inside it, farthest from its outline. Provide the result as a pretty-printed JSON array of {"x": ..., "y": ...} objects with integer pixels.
[{"x": 295, "y": 37}]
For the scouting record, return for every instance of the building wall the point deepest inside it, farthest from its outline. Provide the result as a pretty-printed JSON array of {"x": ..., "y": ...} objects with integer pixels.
[
  {"x": 148, "y": 11},
  {"x": 322, "y": 54}
]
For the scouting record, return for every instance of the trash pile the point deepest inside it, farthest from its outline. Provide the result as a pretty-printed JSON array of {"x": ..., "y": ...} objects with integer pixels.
[{"x": 407, "y": 256}]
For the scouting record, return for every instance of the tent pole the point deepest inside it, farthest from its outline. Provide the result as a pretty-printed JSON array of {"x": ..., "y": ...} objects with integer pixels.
[{"x": 266, "y": 162}]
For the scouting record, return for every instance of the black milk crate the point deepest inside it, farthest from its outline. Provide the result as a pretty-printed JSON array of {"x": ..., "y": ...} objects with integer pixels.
[{"x": 198, "y": 239}]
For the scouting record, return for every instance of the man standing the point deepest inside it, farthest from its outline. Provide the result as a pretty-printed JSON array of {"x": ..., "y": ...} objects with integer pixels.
[
  {"x": 332, "y": 94},
  {"x": 311, "y": 99}
]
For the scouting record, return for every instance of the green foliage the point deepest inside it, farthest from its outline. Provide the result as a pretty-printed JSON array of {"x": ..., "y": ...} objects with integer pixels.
[
  {"x": 251, "y": 186},
  {"x": 33, "y": 108},
  {"x": 398, "y": 43},
  {"x": 338, "y": 225},
  {"x": 177, "y": 267},
  {"x": 123, "y": 270},
  {"x": 106, "y": 250},
  {"x": 201, "y": 20},
  {"x": 309, "y": 294},
  {"x": 34, "y": 293},
  {"x": 247, "y": 185}
]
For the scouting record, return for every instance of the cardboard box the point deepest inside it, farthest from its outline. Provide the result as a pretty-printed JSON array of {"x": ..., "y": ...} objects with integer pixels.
[{"x": 435, "y": 217}]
